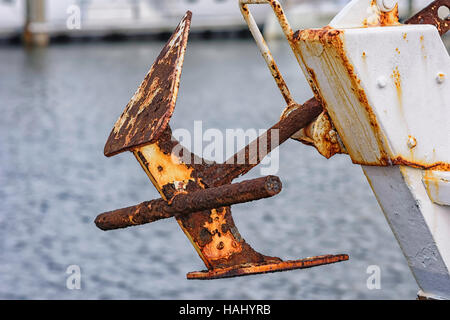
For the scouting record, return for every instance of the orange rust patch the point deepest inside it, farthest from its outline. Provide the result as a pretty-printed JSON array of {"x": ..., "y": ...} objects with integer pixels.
[
  {"x": 365, "y": 23},
  {"x": 422, "y": 47},
  {"x": 398, "y": 83},
  {"x": 380, "y": 18},
  {"x": 164, "y": 168},
  {"x": 325, "y": 35},
  {"x": 389, "y": 18},
  {"x": 222, "y": 244},
  {"x": 412, "y": 142},
  {"x": 322, "y": 135}
]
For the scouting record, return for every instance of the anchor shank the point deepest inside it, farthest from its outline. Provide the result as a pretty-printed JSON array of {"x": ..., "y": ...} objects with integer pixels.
[
  {"x": 255, "y": 152},
  {"x": 185, "y": 203}
]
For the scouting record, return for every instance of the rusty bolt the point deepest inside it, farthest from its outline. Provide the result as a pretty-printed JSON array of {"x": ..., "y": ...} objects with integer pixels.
[
  {"x": 381, "y": 82},
  {"x": 440, "y": 78},
  {"x": 412, "y": 142},
  {"x": 386, "y": 5}
]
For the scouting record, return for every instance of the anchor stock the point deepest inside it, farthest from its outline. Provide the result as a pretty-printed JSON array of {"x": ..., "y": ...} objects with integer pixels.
[{"x": 143, "y": 129}]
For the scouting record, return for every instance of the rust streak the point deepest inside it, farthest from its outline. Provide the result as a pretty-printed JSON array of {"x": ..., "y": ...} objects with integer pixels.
[
  {"x": 438, "y": 166},
  {"x": 396, "y": 77}
]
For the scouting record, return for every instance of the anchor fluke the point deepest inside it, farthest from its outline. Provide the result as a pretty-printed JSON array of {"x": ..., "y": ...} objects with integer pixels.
[
  {"x": 148, "y": 113},
  {"x": 269, "y": 267}
]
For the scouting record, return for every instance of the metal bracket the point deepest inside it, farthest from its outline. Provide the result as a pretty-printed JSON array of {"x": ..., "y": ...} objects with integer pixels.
[{"x": 392, "y": 119}]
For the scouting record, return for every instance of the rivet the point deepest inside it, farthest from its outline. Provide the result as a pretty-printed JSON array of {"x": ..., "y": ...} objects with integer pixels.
[
  {"x": 381, "y": 82},
  {"x": 411, "y": 142},
  {"x": 386, "y": 5},
  {"x": 440, "y": 78},
  {"x": 443, "y": 12}
]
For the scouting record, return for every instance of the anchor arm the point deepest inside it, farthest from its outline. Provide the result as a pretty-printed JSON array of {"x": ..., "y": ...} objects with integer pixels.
[{"x": 254, "y": 153}]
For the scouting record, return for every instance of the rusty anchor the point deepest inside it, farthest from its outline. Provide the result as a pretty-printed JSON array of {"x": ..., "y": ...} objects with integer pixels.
[{"x": 198, "y": 193}]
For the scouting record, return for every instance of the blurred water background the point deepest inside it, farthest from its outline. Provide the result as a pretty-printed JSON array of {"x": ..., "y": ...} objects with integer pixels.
[{"x": 58, "y": 105}]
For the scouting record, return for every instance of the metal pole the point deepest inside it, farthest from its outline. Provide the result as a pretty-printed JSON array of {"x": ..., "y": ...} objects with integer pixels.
[
  {"x": 185, "y": 203},
  {"x": 34, "y": 33}
]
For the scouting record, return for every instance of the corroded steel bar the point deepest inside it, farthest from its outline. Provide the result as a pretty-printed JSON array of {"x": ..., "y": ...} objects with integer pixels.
[
  {"x": 253, "y": 153},
  {"x": 429, "y": 15},
  {"x": 185, "y": 203}
]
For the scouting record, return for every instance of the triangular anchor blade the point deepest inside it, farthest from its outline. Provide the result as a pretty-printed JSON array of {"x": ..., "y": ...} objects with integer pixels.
[{"x": 149, "y": 111}]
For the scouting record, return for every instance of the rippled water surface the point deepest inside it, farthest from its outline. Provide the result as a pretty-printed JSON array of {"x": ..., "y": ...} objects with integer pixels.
[{"x": 58, "y": 106}]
